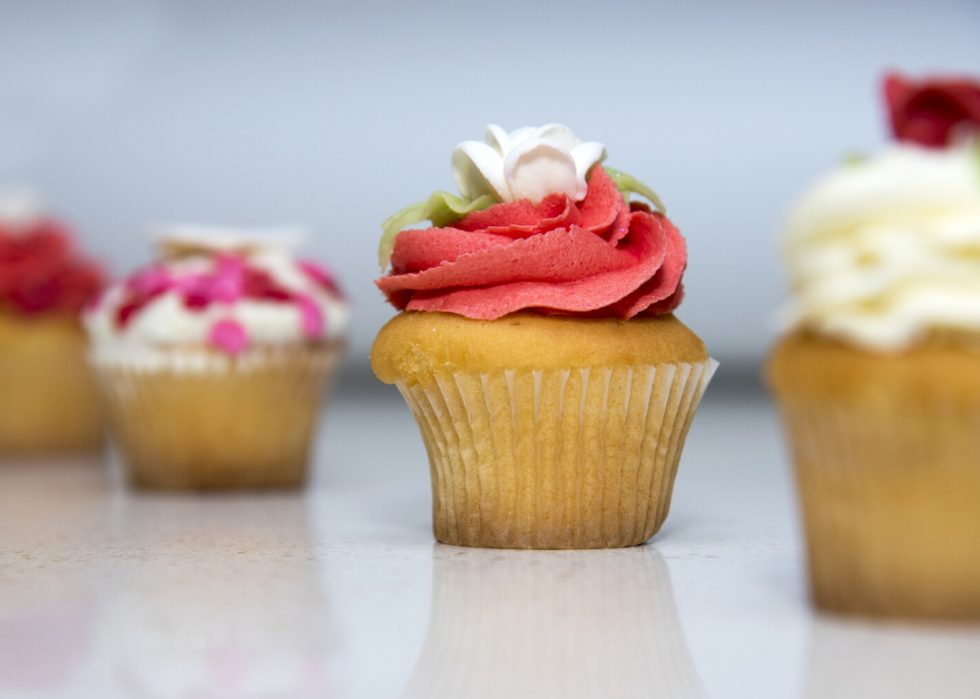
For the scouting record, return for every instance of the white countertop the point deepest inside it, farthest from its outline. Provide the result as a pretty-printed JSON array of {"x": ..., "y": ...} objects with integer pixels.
[{"x": 341, "y": 592}]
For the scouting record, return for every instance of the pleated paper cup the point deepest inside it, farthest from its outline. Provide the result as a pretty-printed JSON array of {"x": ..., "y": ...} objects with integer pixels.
[
  {"x": 887, "y": 459},
  {"x": 558, "y": 458},
  {"x": 49, "y": 402},
  {"x": 197, "y": 418}
]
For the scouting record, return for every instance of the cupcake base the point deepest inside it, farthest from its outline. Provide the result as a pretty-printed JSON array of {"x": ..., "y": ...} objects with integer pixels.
[
  {"x": 49, "y": 402},
  {"x": 557, "y": 458},
  {"x": 197, "y": 419},
  {"x": 887, "y": 457},
  {"x": 546, "y": 455}
]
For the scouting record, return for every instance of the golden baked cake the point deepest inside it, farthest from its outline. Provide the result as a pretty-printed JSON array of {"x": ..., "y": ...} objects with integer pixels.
[
  {"x": 878, "y": 373},
  {"x": 537, "y": 346},
  {"x": 214, "y": 360}
]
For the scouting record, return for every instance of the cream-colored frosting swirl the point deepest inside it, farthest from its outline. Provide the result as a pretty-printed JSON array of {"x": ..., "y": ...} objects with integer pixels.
[{"x": 884, "y": 251}]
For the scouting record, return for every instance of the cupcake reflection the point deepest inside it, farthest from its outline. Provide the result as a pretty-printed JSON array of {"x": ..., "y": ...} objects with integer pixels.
[
  {"x": 553, "y": 624},
  {"x": 49, "y": 515},
  {"x": 220, "y": 598},
  {"x": 855, "y": 660}
]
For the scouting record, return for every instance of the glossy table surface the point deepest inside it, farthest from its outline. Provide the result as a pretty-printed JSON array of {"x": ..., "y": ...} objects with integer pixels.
[{"x": 340, "y": 591}]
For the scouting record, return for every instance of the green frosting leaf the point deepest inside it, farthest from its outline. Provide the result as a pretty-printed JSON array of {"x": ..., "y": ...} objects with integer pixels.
[
  {"x": 441, "y": 208},
  {"x": 854, "y": 158},
  {"x": 627, "y": 183}
]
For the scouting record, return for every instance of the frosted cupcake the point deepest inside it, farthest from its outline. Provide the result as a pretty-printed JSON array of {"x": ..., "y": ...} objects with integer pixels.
[
  {"x": 878, "y": 375},
  {"x": 214, "y": 359},
  {"x": 48, "y": 399},
  {"x": 537, "y": 347}
]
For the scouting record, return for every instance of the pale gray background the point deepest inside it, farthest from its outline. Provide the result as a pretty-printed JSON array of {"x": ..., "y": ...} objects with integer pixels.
[{"x": 128, "y": 112}]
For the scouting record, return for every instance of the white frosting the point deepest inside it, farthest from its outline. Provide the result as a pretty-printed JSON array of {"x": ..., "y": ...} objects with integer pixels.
[
  {"x": 528, "y": 163},
  {"x": 20, "y": 206},
  {"x": 883, "y": 251},
  {"x": 166, "y": 323}
]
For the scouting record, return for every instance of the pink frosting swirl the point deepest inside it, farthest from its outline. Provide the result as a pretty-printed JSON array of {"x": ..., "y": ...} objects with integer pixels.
[{"x": 600, "y": 257}]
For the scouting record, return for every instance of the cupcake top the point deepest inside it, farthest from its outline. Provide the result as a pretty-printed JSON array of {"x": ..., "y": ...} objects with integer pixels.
[
  {"x": 223, "y": 289},
  {"x": 883, "y": 252},
  {"x": 540, "y": 226},
  {"x": 41, "y": 272}
]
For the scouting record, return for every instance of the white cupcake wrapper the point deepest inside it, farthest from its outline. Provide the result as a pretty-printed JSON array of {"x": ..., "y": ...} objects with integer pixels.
[
  {"x": 889, "y": 499},
  {"x": 556, "y": 458},
  {"x": 248, "y": 423}
]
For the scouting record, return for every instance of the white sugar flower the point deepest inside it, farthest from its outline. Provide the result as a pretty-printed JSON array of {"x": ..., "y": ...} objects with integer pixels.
[{"x": 529, "y": 163}]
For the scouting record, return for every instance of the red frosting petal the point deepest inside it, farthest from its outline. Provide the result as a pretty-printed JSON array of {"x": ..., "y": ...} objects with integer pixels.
[
  {"x": 522, "y": 219},
  {"x": 929, "y": 112},
  {"x": 664, "y": 283},
  {"x": 517, "y": 214},
  {"x": 561, "y": 255},
  {"x": 636, "y": 260},
  {"x": 602, "y": 203},
  {"x": 597, "y": 258},
  {"x": 40, "y": 272},
  {"x": 419, "y": 249}
]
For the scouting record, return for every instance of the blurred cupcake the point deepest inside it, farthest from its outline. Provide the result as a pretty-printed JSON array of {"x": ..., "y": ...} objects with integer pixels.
[
  {"x": 537, "y": 349},
  {"x": 48, "y": 400},
  {"x": 878, "y": 375},
  {"x": 213, "y": 360}
]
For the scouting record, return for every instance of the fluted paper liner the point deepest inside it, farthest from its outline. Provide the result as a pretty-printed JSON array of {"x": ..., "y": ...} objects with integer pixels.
[
  {"x": 555, "y": 458},
  {"x": 891, "y": 504},
  {"x": 553, "y": 625},
  {"x": 241, "y": 422}
]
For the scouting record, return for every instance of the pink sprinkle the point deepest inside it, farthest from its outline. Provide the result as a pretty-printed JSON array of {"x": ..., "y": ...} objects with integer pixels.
[
  {"x": 311, "y": 317},
  {"x": 227, "y": 285},
  {"x": 196, "y": 289},
  {"x": 227, "y": 289},
  {"x": 228, "y": 335}
]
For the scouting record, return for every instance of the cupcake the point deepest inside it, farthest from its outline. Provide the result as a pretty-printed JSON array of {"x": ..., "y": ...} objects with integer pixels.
[
  {"x": 537, "y": 347},
  {"x": 48, "y": 399},
  {"x": 213, "y": 360},
  {"x": 878, "y": 374}
]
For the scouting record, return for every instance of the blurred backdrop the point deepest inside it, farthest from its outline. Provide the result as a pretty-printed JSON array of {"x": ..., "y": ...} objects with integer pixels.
[{"x": 132, "y": 112}]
